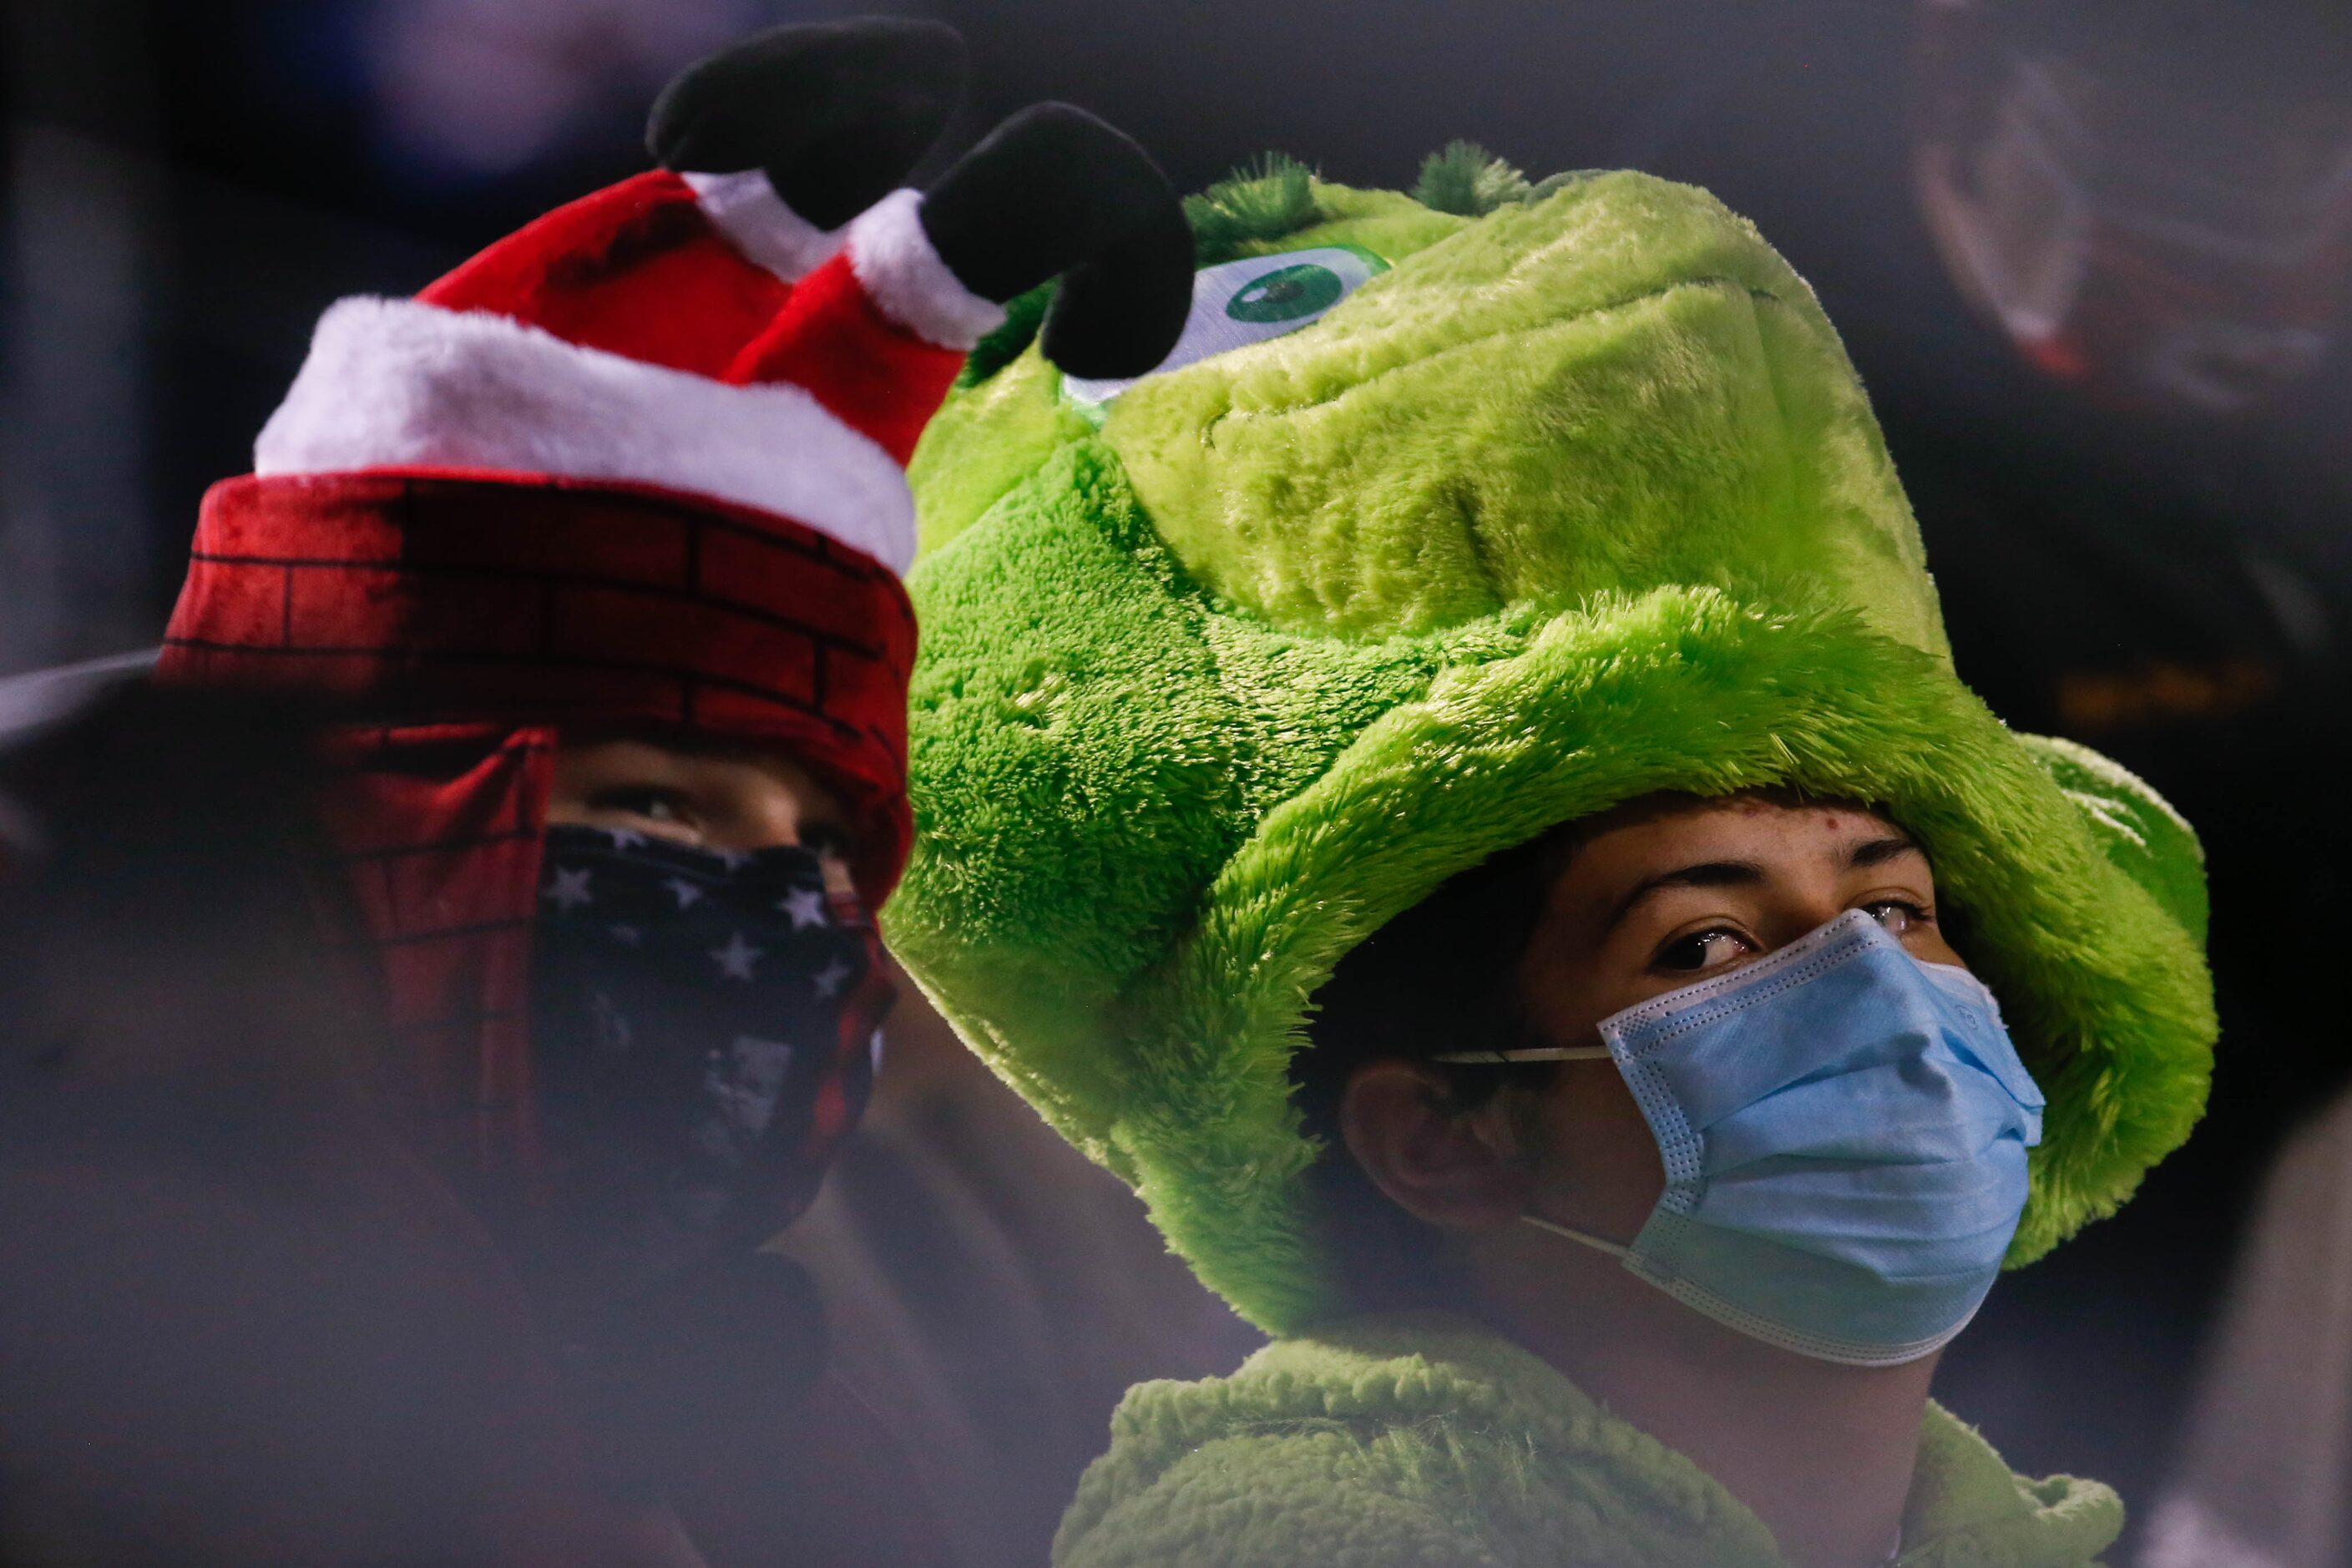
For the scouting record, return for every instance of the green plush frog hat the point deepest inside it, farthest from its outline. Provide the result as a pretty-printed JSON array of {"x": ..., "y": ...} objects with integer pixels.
[{"x": 1453, "y": 517}]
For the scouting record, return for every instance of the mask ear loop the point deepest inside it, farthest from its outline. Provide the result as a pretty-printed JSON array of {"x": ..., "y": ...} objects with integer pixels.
[
  {"x": 1544, "y": 1054},
  {"x": 1536, "y": 1054},
  {"x": 1613, "y": 1248}
]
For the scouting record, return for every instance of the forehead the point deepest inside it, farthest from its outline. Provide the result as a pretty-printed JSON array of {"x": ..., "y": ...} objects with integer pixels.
[{"x": 1752, "y": 826}]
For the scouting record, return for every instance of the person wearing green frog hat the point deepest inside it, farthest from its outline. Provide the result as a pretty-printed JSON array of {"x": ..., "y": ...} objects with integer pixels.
[{"x": 1455, "y": 787}]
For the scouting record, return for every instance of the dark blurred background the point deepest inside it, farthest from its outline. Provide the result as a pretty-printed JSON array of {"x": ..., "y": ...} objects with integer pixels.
[{"x": 2092, "y": 258}]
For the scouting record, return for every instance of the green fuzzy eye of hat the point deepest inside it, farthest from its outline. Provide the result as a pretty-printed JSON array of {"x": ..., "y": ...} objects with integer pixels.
[{"x": 1577, "y": 501}]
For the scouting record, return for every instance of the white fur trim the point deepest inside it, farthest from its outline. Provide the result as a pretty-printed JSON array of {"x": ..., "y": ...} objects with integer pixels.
[
  {"x": 746, "y": 209},
  {"x": 903, "y": 274},
  {"x": 396, "y": 384}
]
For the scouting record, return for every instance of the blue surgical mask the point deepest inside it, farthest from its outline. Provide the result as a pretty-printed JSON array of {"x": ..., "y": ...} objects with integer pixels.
[{"x": 1844, "y": 1132}]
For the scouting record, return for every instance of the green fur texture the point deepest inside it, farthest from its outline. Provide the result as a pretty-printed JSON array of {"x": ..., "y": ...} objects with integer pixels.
[
  {"x": 1386, "y": 1442},
  {"x": 1580, "y": 501},
  {"x": 1466, "y": 178}
]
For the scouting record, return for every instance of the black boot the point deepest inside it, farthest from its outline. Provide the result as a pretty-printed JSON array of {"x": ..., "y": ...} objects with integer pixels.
[
  {"x": 834, "y": 114},
  {"x": 1055, "y": 192}
]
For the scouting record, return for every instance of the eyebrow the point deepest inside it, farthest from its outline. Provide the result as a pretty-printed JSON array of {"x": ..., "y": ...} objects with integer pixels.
[
  {"x": 1870, "y": 852},
  {"x": 1706, "y": 874},
  {"x": 1879, "y": 851}
]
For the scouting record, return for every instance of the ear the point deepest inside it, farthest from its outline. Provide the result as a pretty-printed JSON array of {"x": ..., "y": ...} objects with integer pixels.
[{"x": 1456, "y": 1170}]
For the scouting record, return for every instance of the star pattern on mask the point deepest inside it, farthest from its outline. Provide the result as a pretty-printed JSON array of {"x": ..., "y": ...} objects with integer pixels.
[
  {"x": 569, "y": 890},
  {"x": 656, "y": 952},
  {"x": 626, "y": 838},
  {"x": 829, "y": 979},
  {"x": 736, "y": 959}
]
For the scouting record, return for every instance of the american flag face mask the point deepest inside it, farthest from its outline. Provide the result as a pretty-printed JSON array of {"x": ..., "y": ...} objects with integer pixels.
[{"x": 704, "y": 1031}]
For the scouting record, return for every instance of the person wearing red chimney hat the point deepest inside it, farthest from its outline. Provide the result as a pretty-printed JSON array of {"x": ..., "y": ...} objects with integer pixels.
[{"x": 599, "y": 538}]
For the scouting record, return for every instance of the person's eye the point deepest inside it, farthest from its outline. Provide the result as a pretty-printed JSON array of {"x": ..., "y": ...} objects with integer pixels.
[
  {"x": 1899, "y": 916},
  {"x": 1702, "y": 950}
]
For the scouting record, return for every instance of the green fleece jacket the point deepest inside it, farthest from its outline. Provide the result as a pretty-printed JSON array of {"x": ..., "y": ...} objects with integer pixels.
[{"x": 1422, "y": 1440}]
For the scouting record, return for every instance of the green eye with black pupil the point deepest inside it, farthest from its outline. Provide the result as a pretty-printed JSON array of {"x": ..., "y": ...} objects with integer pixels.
[
  {"x": 1288, "y": 295},
  {"x": 1239, "y": 303}
]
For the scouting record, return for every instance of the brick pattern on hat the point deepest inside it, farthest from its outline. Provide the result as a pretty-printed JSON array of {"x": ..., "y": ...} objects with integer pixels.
[{"x": 538, "y": 601}]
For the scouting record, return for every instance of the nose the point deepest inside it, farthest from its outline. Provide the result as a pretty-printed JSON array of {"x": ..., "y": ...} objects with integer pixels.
[{"x": 1804, "y": 914}]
